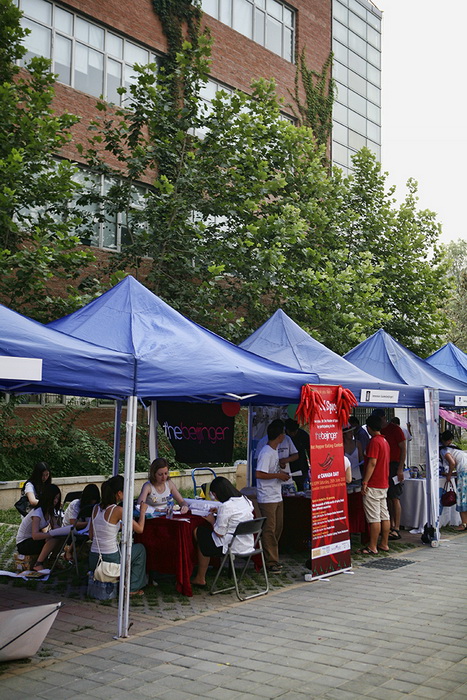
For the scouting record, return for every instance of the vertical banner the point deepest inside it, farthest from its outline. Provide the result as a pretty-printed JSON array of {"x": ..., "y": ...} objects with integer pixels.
[
  {"x": 432, "y": 458},
  {"x": 330, "y": 538}
]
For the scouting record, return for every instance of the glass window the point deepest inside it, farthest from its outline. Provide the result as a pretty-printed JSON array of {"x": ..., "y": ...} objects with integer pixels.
[
  {"x": 373, "y": 74},
  {"x": 357, "y": 122},
  {"x": 374, "y": 56},
  {"x": 340, "y": 12},
  {"x": 89, "y": 70},
  {"x": 357, "y": 44},
  {"x": 357, "y": 103},
  {"x": 114, "y": 45},
  {"x": 243, "y": 17},
  {"x": 340, "y": 32},
  {"x": 356, "y": 141},
  {"x": 340, "y": 73},
  {"x": 373, "y": 37},
  {"x": 340, "y": 154},
  {"x": 80, "y": 49},
  {"x": 374, "y": 132},
  {"x": 340, "y": 133},
  {"x": 274, "y": 35},
  {"x": 270, "y": 23},
  {"x": 38, "y": 9},
  {"x": 63, "y": 21},
  {"x": 374, "y": 94},
  {"x": 376, "y": 148},
  {"x": 357, "y": 25},
  {"x": 62, "y": 58},
  {"x": 342, "y": 94},
  {"x": 340, "y": 113},
  {"x": 341, "y": 53},
  {"x": 38, "y": 42},
  {"x": 357, "y": 63},
  {"x": 373, "y": 112},
  {"x": 225, "y": 11},
  {"x": 357, "y": 83}
]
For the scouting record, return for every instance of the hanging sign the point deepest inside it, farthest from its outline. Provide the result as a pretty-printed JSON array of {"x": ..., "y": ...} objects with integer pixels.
[
  {"x": 460, "y": 401},
  {"x": 20, "y": 368},
  {"x": 381, "y": 396},
  {"x": 199, "y": 433}
]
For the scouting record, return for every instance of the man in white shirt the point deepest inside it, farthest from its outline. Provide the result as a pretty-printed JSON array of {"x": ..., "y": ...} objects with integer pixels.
[
  {"x": 287, "y": 452},
  {"x": 269, "y": 479}
]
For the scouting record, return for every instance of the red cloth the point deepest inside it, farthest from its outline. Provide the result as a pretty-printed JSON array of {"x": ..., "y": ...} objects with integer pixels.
[
  {"x": 170, "y": 547},
  {"x": 394, "y": 435},
  {"x": 378, "y": 448}
]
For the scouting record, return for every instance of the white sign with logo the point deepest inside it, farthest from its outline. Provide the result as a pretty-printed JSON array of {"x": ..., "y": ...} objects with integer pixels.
[
  {"x": 460, "y": 401},
  {"x": 381, "y": 396},
  {"x": 21, "y": 368}
]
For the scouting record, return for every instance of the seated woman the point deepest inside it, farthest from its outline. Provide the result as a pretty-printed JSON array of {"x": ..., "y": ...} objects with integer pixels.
[
  {"x": 79, "y": 511},
  {"x": 105, "y": 526},
  {"x": 33, "y": 486},
  {"x": 157, "y": 490},
  {"x": 234, "y": 508},
  {"x": 33, "y": 536}
]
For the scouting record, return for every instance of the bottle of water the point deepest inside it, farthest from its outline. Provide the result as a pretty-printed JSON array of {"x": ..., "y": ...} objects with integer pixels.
[
  {"x": 170, "y": 507},
  {"x": 306, "y": 484}
]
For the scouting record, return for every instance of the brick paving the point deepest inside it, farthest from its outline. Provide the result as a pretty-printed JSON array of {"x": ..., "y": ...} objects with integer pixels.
[{"x": 375, "y": 634}]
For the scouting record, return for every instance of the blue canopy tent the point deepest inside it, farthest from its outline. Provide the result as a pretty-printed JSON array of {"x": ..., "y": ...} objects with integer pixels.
[
  {"x": 70, "y": 365},
  {"x": 384, "y": 357},
  {"x": 450, "y": 360},
  {"x": 175, "y": 359},
  {"x": 282, "y": 340}
]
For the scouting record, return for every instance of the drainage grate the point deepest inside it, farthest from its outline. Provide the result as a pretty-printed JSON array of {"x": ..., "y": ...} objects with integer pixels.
[{"x": 388, "y": 563}]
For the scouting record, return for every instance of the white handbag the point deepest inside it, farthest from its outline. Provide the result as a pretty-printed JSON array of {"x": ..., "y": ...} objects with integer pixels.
[{"x": 105, "y": 571}]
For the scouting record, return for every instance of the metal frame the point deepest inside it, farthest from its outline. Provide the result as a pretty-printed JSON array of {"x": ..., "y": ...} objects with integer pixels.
[{"x": 250, "y": 527}]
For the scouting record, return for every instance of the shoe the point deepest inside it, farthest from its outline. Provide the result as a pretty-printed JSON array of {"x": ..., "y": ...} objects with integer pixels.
[
  {"x": 198, "y": 585},
  {"x": 394, "y": 534},
  {"x": 461, "y": 528},
  {"x": 367, "y": 552},
  {"x": 275, "y": 569}
]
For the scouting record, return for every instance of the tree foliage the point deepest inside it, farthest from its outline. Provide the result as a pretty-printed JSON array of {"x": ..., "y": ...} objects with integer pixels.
[
  {"x": 38, "y": 245},
  {"x": 455, "y": 299}
]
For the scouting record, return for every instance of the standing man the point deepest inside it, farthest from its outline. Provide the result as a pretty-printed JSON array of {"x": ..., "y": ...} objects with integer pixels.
[
  {"x": 375, "y": 487},
  {"x": 301, "y": 441},
  {"x": 398, "y": 446},
  {"x": 269, "y": 479},
  {"x": 286, "y": 450}
]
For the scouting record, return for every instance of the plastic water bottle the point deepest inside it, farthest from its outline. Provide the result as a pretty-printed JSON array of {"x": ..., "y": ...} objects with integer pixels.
[
  {"x": 170, "y": 507},
  {"x": 306, "y": 484}
]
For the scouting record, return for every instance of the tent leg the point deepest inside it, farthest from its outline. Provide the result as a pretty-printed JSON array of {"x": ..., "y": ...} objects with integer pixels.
[
  {"x": 117, "y": 424},
  {"x": 432, "y": 458},
  {"x": 249, "y": 454},
  {"x": 153, "y": 432},
  {"x": 128, "y": 494}
]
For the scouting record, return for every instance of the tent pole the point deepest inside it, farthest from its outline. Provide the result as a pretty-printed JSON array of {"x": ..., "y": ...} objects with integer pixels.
[
  {"x": 432, "y": 458},
  {"x": 153, "y": 451},
  {"x": 117, "y": 426},
  {"x": 249, "y": 454},
  {"x": 127, "y": 535}
]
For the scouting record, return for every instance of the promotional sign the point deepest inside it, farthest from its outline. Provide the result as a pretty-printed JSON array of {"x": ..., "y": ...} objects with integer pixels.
[
  {"x": 21, "y": 368},
  {"x": 199, "y": 433},
  {"x": 460, "y": 401},
  {"x": 330, "y": 538}
]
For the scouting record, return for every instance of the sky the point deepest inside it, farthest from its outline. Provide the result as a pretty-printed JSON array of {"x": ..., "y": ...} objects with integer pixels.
[{"x": 424, "y": 105}]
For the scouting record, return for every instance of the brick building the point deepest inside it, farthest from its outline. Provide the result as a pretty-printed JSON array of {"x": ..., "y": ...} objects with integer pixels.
[{"x": 93, "y": 46}]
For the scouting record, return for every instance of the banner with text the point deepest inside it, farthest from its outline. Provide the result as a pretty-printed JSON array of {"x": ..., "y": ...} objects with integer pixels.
[
  {"x": 199, "y": 433},
  {"x": 330, "y": 538}
]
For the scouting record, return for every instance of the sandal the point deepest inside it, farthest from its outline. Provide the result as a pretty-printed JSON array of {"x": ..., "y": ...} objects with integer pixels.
[
  {"x": 367, "y": 552},
  {"x": 394, "y": 534},
  {"x": 461, "y": 528},
  {"x": 133, "y": 593}
]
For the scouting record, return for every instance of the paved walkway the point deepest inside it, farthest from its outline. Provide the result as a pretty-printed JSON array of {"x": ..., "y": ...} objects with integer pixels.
[{"x": 377, "y": 633}]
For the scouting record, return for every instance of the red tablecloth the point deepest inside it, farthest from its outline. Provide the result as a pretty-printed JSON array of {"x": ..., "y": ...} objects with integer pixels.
[
  {"x": 296, "y": 534},
  {"x": 170, "y": 547}
]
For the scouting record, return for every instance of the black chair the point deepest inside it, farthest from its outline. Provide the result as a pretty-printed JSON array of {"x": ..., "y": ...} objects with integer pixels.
[
  {"x": 250, "y": 527},
  {"x": 74, "y": 538}
]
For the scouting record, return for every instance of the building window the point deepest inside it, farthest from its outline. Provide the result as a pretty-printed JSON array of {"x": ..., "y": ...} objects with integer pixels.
[
  {"x": 268, "y": 22},
  {"x": 105, "y": 228},
  {"x": 86, "y": 56}
]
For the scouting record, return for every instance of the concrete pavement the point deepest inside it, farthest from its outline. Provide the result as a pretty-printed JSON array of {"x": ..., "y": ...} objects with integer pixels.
[{"x": 377, "y": 633}]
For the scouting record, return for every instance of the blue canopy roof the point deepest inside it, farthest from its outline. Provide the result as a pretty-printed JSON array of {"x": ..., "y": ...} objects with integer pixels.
[
  {"x": 383, "y": 356},
  {"x": 282, "y": 340},
  {"x": 450, "y": 360},
  {"x": 175, "y": 357},
  {"x": 70, "y": 366}
]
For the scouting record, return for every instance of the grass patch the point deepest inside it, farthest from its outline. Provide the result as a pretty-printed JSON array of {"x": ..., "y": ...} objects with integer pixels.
[{"x": 10, "y": 516}]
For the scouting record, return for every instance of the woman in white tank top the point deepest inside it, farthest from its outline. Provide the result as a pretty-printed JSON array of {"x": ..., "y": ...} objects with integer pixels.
[
  {"x": 157, "y": 490},
  {"x": 105, "y": 526}
]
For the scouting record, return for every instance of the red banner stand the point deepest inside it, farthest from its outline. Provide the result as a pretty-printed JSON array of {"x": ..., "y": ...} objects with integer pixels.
[{"x": 330, "y": 537}]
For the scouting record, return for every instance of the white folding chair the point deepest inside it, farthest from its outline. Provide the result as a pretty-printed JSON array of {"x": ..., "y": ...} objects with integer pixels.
[{"x": 250, "y": 527}]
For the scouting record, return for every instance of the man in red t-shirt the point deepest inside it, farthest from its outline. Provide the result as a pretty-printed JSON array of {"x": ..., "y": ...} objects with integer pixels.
[
  {"x": 398, "y": 452},
  {"x": 375, "y": 487}
]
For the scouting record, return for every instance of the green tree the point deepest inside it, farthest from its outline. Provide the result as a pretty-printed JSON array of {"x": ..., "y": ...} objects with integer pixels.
[
  {"x": 455, "y": 299},
  {"x": 37, "y": 224},
  {"x": 402, "y": 242}
]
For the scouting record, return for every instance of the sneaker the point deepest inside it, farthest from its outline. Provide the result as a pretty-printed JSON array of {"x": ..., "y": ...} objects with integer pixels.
[{"x": 275, "y": 569}]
